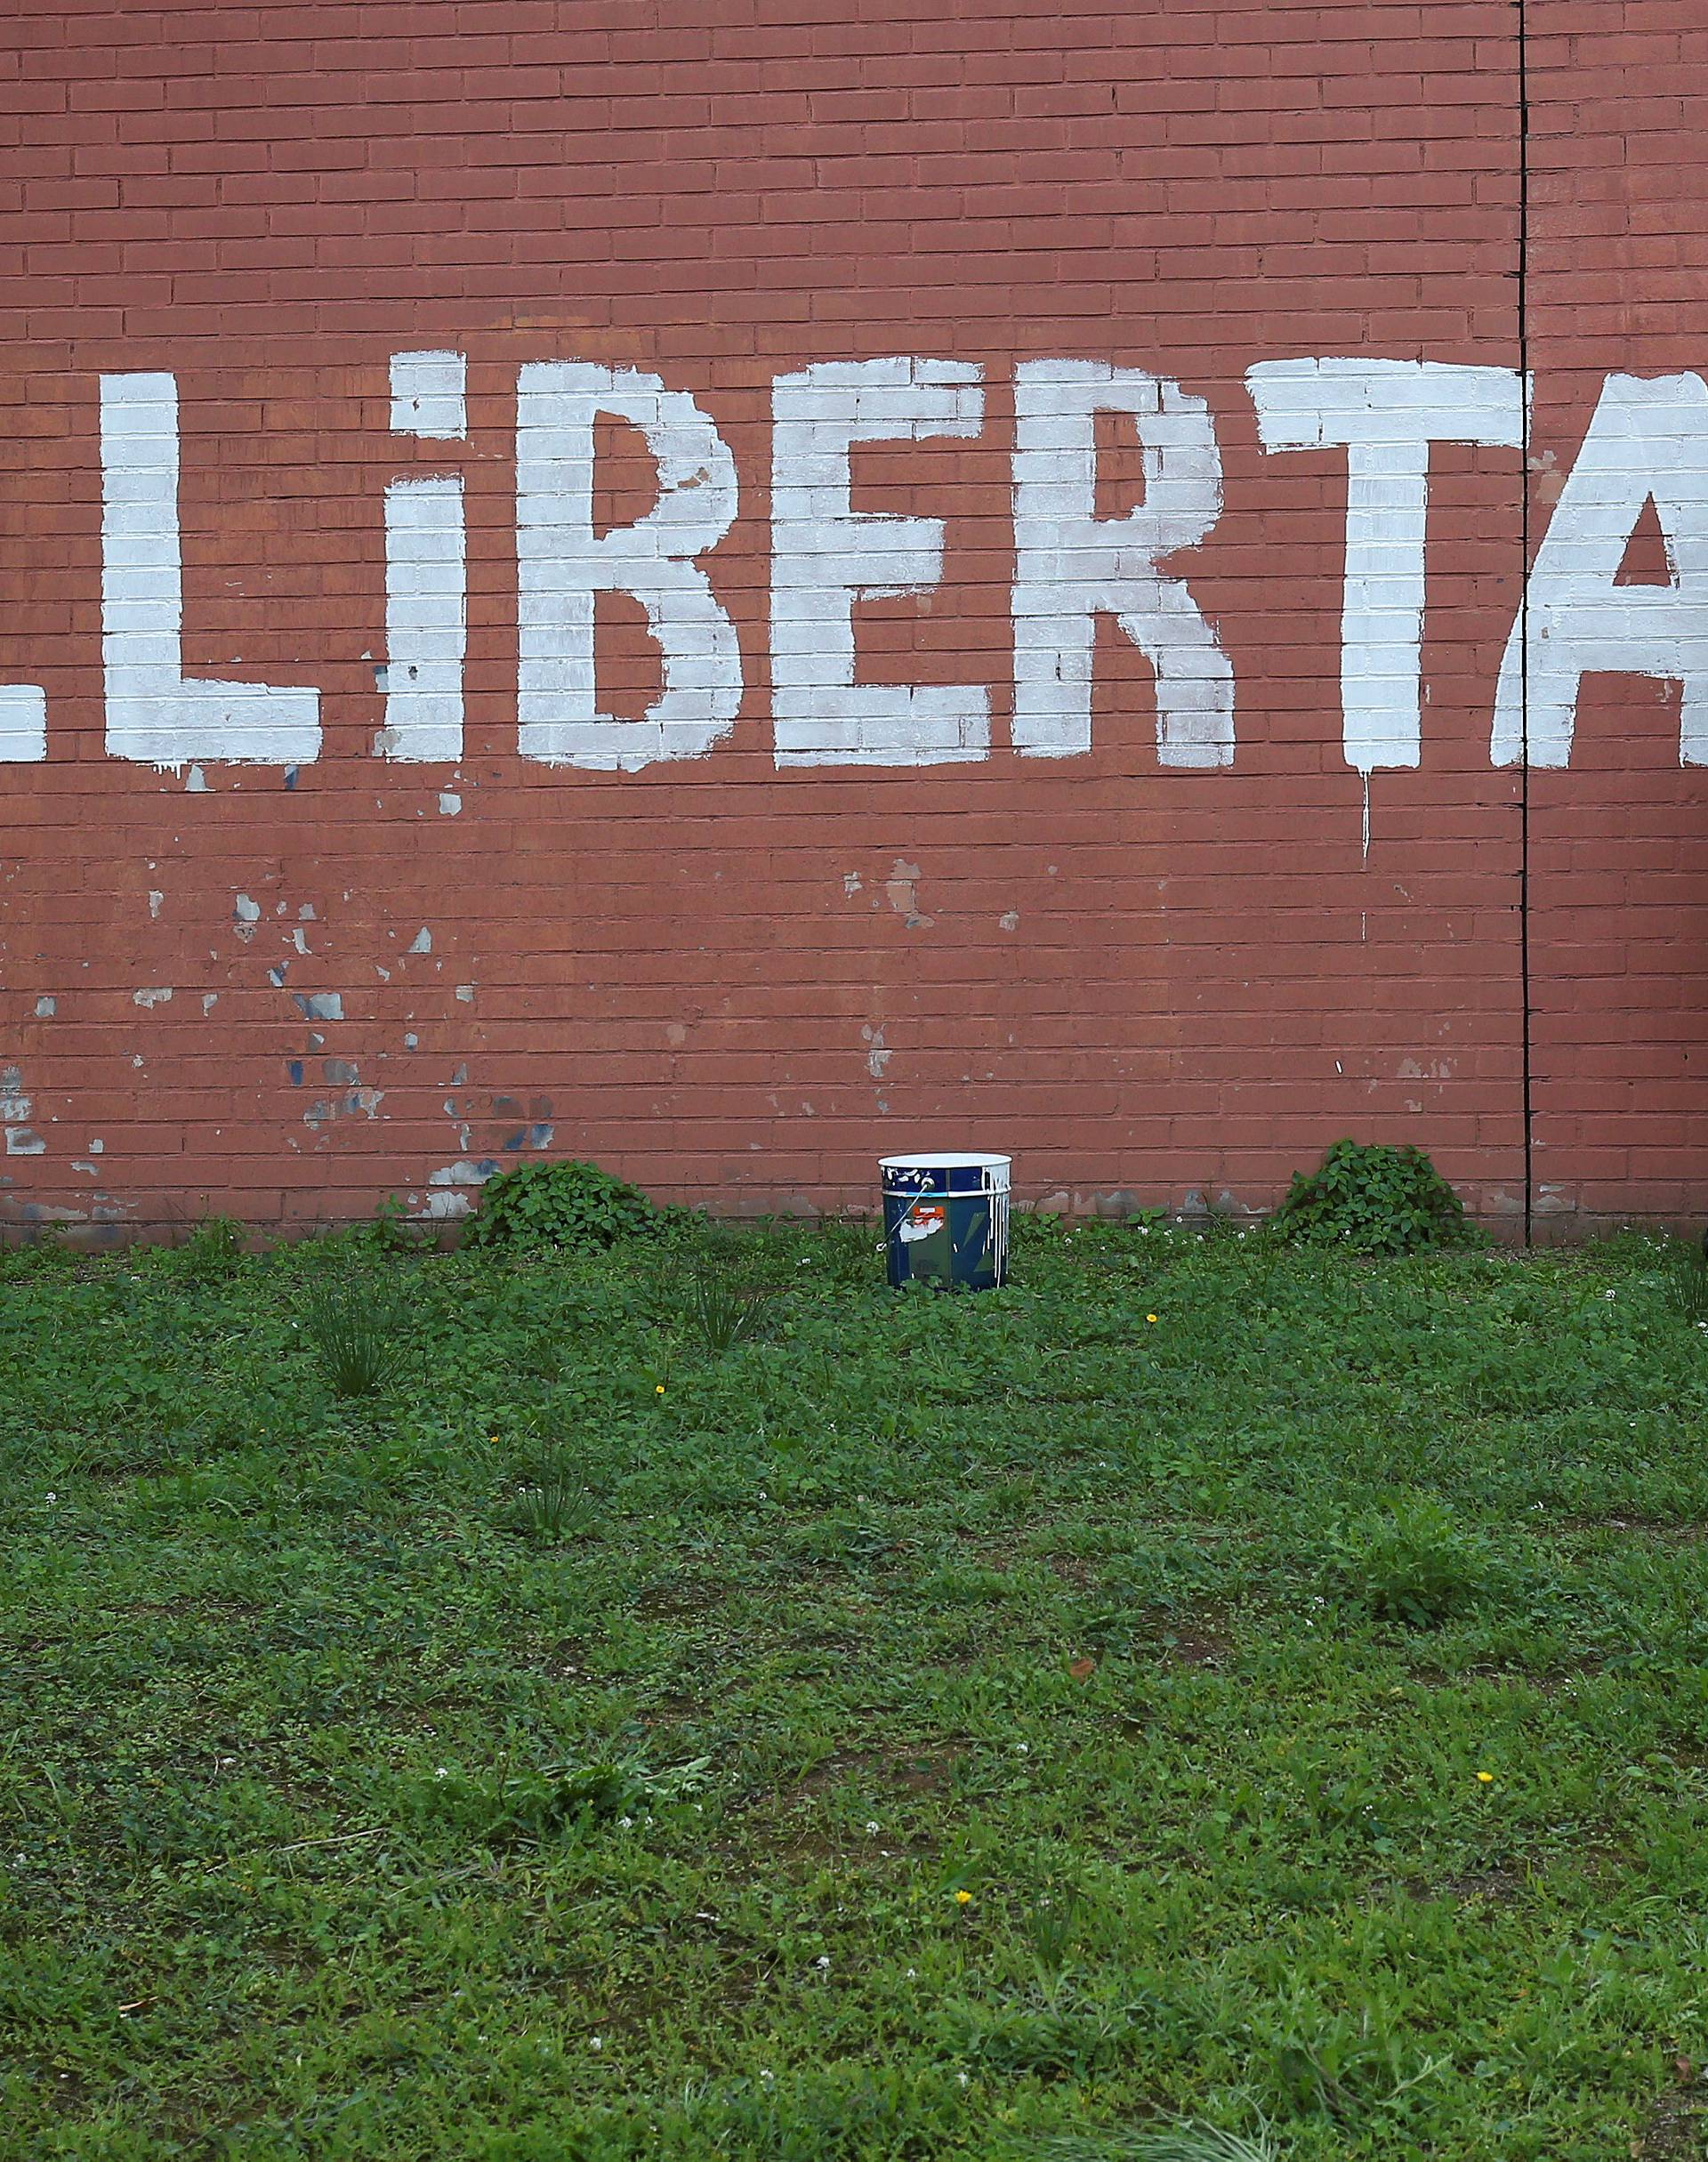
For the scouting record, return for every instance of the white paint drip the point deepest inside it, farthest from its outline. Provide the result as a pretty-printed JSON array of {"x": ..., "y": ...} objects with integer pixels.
[
  {"x": 1647, "y": 441},
  {"x": 154, "y": 713},
  {"x": 826, "y": 555},
  {"x": 1072, "y": 566},
  {"x": 562, "y": 564}
]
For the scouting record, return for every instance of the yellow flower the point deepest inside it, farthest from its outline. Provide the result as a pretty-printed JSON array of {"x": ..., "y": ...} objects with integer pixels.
[
  {"x": 963, "y": 1899},
  {"x": 1486, "y": 1778},
  {"x": 1151, "y": 1317},
  {"x": 659, "y": 1390}
]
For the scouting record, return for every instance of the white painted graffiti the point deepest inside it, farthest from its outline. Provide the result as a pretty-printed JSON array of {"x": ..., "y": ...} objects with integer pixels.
[{"x": 1646, "y": 443}]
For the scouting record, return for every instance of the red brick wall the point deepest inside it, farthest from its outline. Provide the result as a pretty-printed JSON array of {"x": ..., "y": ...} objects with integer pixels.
[{"x": 739, "y": 982}]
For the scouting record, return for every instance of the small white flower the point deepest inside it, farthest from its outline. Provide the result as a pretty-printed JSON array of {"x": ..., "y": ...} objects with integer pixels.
[
  {"x": 872, "y": 1824},
  {"x": 768, "y": 2078},
  {"x": 53, "y": 1497},
  {"x": 441, "y": 1771},
  {"x": 912, "y": 1973},
  {"x": 598, "y": 2042},
  {"x": 1022, "y": 1749},
  {"x": 964, "y": 2078},
  {"x": 822, "y": 1962},
  {"x": 625, "y": 1824}
]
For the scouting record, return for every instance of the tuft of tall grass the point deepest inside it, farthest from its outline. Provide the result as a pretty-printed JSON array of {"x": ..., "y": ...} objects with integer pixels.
[
  {"x": 1688, "y": 1284},
  {"x": 552, "y": 1501},
  {"x": 355, "y": 1328},
  {"x": 721, "y": 1315}
]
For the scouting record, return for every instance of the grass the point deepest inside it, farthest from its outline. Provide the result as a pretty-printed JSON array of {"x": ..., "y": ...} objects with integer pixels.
[{"x": 1003, "y": 1727}]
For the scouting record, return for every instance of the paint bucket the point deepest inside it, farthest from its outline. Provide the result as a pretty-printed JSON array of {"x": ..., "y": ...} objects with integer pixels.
[{"x": 946, "y": 1219}]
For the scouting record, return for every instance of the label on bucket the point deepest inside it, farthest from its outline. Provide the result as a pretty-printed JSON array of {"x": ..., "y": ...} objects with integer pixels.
[{"x": 922, "y": 1222}]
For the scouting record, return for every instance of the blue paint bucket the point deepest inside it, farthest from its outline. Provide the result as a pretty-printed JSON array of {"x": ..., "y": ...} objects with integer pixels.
[{"x": 946, "y": 1219}]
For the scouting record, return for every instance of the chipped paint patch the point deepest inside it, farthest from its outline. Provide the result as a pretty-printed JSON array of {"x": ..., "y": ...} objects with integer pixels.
[
  {"x": 320, "y": 1005},
  {"x": 155, "y": 996},
  {"x": 901, "y": 889},
  {"x": 156, "y": 902},
  {"x": 423, "y": 941},
  {"x": 450, "y": 804},
  {"x": 1010, "y": 920},
  {"x": 46, "y": 1008},
  {"x": 449, "y": 1202},
  {"x": 878, "y": 1054}
]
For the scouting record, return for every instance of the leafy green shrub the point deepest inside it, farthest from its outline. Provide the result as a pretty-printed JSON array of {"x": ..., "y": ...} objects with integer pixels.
[
  {"x": 356, "y": 1332},
  {"x": 1375, "y": 1199},
  {"x": 1414, "y": 1563},
  {"x": 568, "y": 1205}
]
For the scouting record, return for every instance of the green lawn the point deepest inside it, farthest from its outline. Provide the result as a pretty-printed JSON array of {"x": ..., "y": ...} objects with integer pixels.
[{"x": 1002, "y": 1726}]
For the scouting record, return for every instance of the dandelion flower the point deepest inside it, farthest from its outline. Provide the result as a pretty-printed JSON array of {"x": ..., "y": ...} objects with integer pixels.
[
  {"x": 963, "y": 1899},
  {"x": 1485, "y": 1778},
  {"x": 659, "y": 1390},
  {"x": 1151, "y": 1317}
]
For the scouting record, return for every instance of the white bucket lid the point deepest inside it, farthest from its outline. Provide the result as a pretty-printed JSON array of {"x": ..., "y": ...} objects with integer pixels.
[{"x": 944, "y": 1159}]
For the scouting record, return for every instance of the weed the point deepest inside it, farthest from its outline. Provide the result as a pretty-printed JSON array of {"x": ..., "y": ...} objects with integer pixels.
[
  {"x": 1412, "y": 1563},
  {"x": 1373, "y": 1199},
  {"x": 355, "y": 1331},
  {"x": 212, "y": 1250},
  {"x": 502, "y": 1807},
  {"x": 571, "y": 1205},
  {"x": 395, "y": 1231}
]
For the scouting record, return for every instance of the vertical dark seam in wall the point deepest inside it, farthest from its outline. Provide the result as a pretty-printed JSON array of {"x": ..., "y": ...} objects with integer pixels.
[{"x": 1524, "y": 613}]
